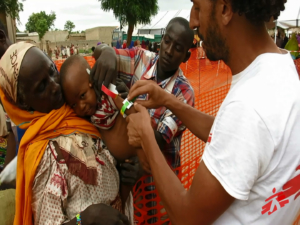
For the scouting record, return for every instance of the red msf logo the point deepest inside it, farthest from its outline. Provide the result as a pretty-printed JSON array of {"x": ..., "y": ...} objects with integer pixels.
[
  {"x": 280, "y": 199},
  {"x": 209, "y": 138}
]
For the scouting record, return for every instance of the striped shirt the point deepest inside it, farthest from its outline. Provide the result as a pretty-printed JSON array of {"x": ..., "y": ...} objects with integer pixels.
[{"x": 138, "y": 64}]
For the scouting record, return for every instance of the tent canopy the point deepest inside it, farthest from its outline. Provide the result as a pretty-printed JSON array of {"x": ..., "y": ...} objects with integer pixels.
[
  {"x": 290, "y": 17},
  {"x": 161, "y": 20}
]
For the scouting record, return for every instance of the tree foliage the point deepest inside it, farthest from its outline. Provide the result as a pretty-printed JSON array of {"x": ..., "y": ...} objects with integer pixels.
[
  {"x": 40, "y": 23},
  {"x": 69, "y": 26},
  {"x": 131, "y": 12},
  {"x": 41, "y": 27},
  {"x": 11, "y": 8}
]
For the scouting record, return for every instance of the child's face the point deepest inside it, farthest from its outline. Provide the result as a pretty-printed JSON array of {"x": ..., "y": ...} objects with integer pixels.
[{"x": 78, "y": 91}]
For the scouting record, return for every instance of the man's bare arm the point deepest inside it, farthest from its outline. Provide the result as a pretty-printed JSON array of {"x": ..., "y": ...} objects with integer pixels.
[
  {"x": 197, "y": 122},
  {"x": 203, "y": 203}
]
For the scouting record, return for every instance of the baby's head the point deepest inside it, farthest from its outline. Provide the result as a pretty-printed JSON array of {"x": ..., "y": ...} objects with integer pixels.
[{"x": 77, "y": 88}]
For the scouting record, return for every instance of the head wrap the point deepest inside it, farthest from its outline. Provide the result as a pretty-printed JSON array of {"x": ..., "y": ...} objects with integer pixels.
[
  {"x": 10, "y": 67},
  {"x": 99, "y": 43}
]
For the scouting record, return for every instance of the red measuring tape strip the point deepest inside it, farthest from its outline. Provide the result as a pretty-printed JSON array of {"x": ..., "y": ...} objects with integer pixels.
[{"x": 109, "y": 92}]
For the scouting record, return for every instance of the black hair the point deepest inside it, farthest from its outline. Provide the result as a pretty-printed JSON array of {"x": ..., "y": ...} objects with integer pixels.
[
  {"x": 258, "y": 11},
  {"x": 2, "y": 27},
  {"x": 188, "y": 31},
  {"x": 93, "y": 48},
  {"x": 69, "y": 62}
]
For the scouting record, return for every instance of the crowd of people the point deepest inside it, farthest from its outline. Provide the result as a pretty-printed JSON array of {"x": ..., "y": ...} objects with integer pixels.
[
  {"x": 66, "y": 52},
  {"x": 89, "y": 134},
  {"x": 147, "y": 45},
  {"x": 291, "y": 43}
]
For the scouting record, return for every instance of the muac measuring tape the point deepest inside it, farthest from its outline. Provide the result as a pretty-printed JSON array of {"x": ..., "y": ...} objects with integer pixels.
[{"x": 112, "y": 92}]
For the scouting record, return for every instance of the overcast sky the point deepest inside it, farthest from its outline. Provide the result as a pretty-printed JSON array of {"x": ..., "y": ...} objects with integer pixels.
[{"x": 84, "y": 13}]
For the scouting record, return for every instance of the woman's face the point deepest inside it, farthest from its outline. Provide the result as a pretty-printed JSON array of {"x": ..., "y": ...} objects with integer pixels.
[{"x": 38, "y": 83}]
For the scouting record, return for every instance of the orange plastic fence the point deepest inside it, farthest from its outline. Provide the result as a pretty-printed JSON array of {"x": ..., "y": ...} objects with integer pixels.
[
  {"x": 211, "y": 82},
  {"x": 89, "y": 59}
]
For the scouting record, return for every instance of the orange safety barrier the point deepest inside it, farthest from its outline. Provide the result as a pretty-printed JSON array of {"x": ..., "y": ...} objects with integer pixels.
[
  {"x": 211, "y": 82},
  {"x": 89, "y": 59}
]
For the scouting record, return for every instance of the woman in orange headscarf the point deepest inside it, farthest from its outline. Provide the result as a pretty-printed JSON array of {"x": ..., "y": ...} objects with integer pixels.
[{"x": 62, "y": 171}]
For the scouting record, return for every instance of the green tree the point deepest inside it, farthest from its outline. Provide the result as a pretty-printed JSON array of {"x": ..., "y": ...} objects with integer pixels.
[
  {"x": 40, "y": 23},
  {"x": 41, "y": 27},
  {"x": 131, "y": 12},
  {"x": 69, "y": 26},
  {"x": 11, "y": 7}
]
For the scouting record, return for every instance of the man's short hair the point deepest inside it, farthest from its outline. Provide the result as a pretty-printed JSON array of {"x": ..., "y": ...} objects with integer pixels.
[
  {"x": 258, "y": 11},
  {"x": 185, "y": 23},
  {"x": 2, "y": 27}
]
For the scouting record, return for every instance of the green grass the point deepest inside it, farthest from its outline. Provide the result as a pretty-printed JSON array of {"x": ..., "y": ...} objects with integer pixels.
[{"x": 88, "y": 52}]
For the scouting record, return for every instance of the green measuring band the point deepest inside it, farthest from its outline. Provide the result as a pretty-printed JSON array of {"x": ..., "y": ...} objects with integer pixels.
[{"x": 126, "y": 105}]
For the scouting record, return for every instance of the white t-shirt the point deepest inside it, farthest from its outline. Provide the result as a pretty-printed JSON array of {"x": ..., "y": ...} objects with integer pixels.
[{"x": 254, "y": 145}]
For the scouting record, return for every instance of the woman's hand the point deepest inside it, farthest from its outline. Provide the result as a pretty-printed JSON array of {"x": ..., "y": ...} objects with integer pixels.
[
  {"x": 130, "y": 171},
  {"x": 101, "y": 214}
]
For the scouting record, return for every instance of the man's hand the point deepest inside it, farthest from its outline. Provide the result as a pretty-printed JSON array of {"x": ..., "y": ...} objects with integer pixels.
[
  {"x": 104, "y": 70},
  {"x": 138, "y": 124},
  {"x": 122, "y": 88},
  {"x": 130, "y": 171},
  {"x": 157, "y": 97}
]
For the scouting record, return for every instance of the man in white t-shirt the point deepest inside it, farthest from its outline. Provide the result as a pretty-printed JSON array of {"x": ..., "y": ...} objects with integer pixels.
[{"x": 250, "y": 172}]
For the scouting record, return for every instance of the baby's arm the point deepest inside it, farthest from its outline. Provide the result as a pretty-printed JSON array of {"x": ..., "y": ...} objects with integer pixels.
[
  {"x": 122, "y": 122},
  {"x": 116, "y": 138}
]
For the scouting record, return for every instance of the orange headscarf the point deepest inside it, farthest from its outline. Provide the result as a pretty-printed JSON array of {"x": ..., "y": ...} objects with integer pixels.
[{"x": 41, "y": 128}]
